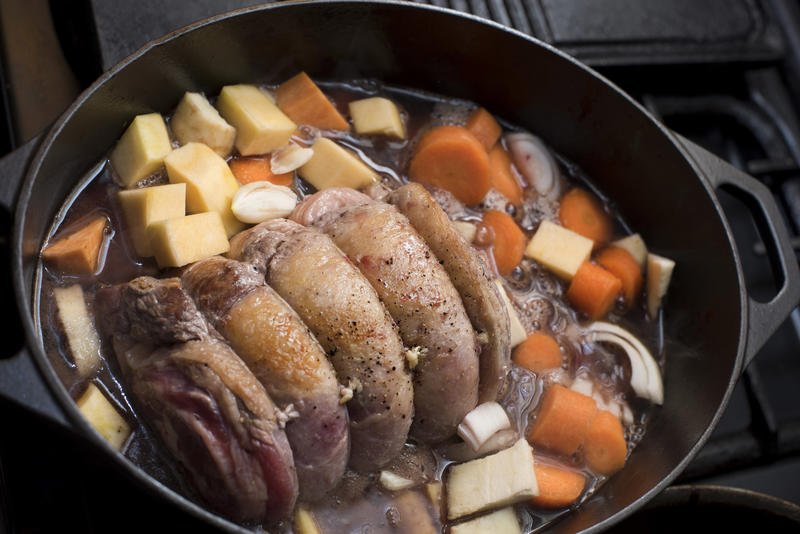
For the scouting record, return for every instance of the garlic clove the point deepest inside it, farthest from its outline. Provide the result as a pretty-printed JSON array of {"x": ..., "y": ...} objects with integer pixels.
[
  {"x": 289, "y": 158},
  {"x": 257, "y": 202},
  {"x": 482, "y": 423}
]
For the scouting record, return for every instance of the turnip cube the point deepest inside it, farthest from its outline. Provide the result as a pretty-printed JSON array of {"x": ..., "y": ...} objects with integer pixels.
[
  {"x": 635, "y": 245},
  {"x": 260, "y": 126},
  {"x": 141, "y": 149},
  {"x": 196, "y": 120},
  {"x": 377, "y": 116},
  {"x": 147, "y": 205},
  {"x": 178, "y": 242},
  {"x": 104, "y": 417},
  {"x": 500, "y": 522},
  {"x": 333, "y": 166},
  {"x": 559, "y": 249},
  {"x": 659, "y": 274}
]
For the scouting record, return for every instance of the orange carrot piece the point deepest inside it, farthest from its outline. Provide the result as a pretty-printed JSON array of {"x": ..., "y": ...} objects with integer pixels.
[
  {"x": 593, "y": 290},
  {"x": 482, "y": 125},
  {"x": 582, "y": 213},
  {"x": 248, "y": 170},
  {"x": 563, "y": 420},
  {"x": 79, "y": 251},
  {"x": 503, "y": 179},
  {"x": 451, "y": 158},
  {"x": 509, "y": 241},
  {"x": 558, "y": 487},
  {"x": 303, "y": 102},
  {"x": 539, "y": 352},
  {"x": 621, "y": 264},
  {"x": 605, "y": 448}
]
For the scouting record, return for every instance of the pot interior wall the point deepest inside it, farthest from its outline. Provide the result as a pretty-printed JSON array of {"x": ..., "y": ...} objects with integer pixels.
[{"x": 527, "y": 84}]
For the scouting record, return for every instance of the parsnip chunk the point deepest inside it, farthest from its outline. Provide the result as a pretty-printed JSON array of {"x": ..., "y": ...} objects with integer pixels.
[
  {"x": 377, "y": 116},
  {"x": 635, "y": 245},
  {"x": 147, "y": 205},
  {"x": 178, "y": 242},
  {"x": 304, "y": 522},
  {"x": 260, "y": 126},
  {"x": 333, "y": 166},
  {"x": 104, "y": 417},
  {"x": 141, "y": 149},
  {"x": 504, "y": 478},
  {"x": 500, "y": 522},
  {"x": 210, "y": 184},
  {"x": 659, "y": 274},
  {"x": 517, "y": 331},
  {"x": 558, "y": 249},
  {"x": 196, "y": 120},
  {"x": 82, "y": 338}
]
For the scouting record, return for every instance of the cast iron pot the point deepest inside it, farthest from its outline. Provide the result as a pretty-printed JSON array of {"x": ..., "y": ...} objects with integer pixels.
[{"x": 662, "y": 184}]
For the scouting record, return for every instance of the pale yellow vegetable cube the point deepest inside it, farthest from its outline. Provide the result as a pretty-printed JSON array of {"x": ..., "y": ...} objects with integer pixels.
[
  {"x": 659, "y": 274},
  {"x": 304, "y": 522},
  {"x": 466, "y": 229},
  {"x": 558, "y": 249},
  {"x": 517, "y": 332},
  {"x": 260, "y": 126},
  {"x": 333, "y": 166},
  {"x": 635, "y": 245},
  {"x": 147, "y": 205},
  {"x": 141, "y": 149},
  {"x": 377, "y": 116},
  {"x": 181, "y": 241},
  {"x": 210, "y": 184},
  {"x": 104, "y": 417},
  {"x": 82, "y": 338},
  {"x": 500, "y": 522},
  {"x": 434, "y": 491},
  {"x": 196, "y": 120}
]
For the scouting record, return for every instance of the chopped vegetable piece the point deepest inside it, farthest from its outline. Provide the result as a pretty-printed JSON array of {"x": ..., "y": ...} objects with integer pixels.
[
  {"x": 249, "y": 170},
  {"x": 79, "y": 251},
  {"x": 504, "y": 478},
  {"x": 593, "y": 290},
  {"x": 260, "y": 126},
  {"x": 500, "y": 522},
  {"x": 289, "y": 158},
  {"x": 517, "y": 332},
  {"x": 377, "y": 116},
  {"x": 104, "y": 417},
  {"x": 434, "y": 491},
  {"x": 539, "y": 352},
  {"x": 210, "y": 184},
  {"x": 304, "y": 522},
  {"x": 82, "y": 338},
  {"x": 581, "y": 212},
  {"x": 503, "y": 179},
  {"x": 141, "y": 149},
  {"x": 621, "y": 264},
  {"x": 451, "y": 158},
  {"x": 508, "y": 245},
  {"x": 257, "y": 202},
  {"x": 305, "y": 103},
  {"x": 484, "y": 127},
  {"x": 181, "y": 241},
  {"x": 413, "y": 516},
  {"x": 147, "y": 205},
  {"x": 659, "y": 274},
  {"x": 394, "y": 482},
  {"x": 481, "y": 423},
  {"x": 635, "y": 245},
  {"x": 563, "y": 420},
  {"x": 196, "y": 121},
  {"x": 559, "y": 249},
  {"x": 558, "y": 487},
  {"x": 605, "y": 448},
  {"x": 466, "y": 229},
  {"x": 333, "y": 166}
]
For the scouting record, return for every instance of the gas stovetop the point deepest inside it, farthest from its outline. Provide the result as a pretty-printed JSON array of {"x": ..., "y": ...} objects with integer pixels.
[{"x": 724, "y": 73}]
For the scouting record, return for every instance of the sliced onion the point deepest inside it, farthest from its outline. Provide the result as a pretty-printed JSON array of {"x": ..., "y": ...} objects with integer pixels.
[
  {"x": 534, "y": 161},
  {"x": 482, "y": 423}
]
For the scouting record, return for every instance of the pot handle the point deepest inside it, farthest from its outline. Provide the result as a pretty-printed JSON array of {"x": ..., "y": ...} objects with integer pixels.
[{"x": 763, "y": 317}]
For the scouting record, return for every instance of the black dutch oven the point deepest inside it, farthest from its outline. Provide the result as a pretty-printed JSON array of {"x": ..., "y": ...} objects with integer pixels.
[{"x": 664, "y": 185}]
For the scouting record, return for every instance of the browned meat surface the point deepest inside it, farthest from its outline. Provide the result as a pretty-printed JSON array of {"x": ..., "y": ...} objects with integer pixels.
[
  {"x": 344, "y": 312},
  {"x": 423, "y": 302},
  {"x": 285, "y": 357},
  {"x": 206, "y": 406},
  {"x": 313, "y": 207},
  {"x": 483, "y": 304}
]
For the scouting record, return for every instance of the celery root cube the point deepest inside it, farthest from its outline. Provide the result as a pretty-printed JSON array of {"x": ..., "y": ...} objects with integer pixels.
[
  {"x": 196, "y": 120},
  {"x": 333, "y": 166},
  {"x": 104, "y": 417},
  {"x": 181, "y": 241},
  {"x": 82, "y": 338},
  {"x": 377, "y": 116},
  {"x": 559, "y": 249},
  {"x": 141, "y": 149},
  {"x": 261, "y": 126},
  {"x": 210, "y": 184},
  {"x": 147, "y": 205}
]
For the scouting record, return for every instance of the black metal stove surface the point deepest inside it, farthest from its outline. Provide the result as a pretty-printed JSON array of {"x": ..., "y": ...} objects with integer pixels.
[{"x": 725, "y": 73}]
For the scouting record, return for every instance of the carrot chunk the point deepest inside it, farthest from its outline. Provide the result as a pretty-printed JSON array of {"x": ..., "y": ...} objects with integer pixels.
[
  {"x": 79, "y": 251},
  {"x": 509, "y": 241},
  {"x": 605, "y": 448},
  {"x": 622, "y": 264},
  {"x": 539, "y": 352},
  {"x": 558, "y": 487},
  {"x": 582, "y": 213},
  {"x": 593, "y": 290},
  {"x": 563, "y": 420},
  {"x": 248, "y": 170},
  {"x": 303, "y": 102},
  {"x": 451, "y": 158},
  {"x": 482, "y": 125},
  {"x": 503, "y": 179}
]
